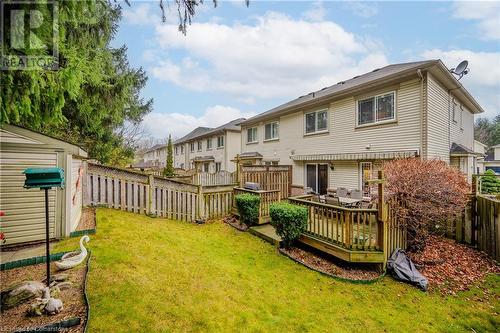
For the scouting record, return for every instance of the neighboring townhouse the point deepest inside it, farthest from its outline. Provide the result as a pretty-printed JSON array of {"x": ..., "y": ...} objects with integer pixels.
[
  {"x": 154, "y": 157},
  {"x": 339, "y": 136},
  {"x": 491, "y": 161},
  {"x": 209, "y": 149}
]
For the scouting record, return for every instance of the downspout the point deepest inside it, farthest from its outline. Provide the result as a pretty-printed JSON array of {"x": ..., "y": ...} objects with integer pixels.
[{"x": 419, "y": 72}]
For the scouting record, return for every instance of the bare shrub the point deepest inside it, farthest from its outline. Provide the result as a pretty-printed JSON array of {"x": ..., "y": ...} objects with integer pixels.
[{"x": 425, "y": 193}]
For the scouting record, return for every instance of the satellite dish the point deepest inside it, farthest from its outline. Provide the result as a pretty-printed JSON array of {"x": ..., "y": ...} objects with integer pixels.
[{"x": 461, "y": 69}]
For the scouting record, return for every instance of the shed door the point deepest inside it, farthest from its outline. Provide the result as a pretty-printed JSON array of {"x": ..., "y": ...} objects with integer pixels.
[{"x": 24, "y": 209}]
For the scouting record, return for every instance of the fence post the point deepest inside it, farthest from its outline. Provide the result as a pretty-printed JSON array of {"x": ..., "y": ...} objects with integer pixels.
[
  {"x": 238, "y": 170},
  {"x": 382, "y": 217},
  {"x": 150, "y": 185},
  {"x": 201, "y": 204}
]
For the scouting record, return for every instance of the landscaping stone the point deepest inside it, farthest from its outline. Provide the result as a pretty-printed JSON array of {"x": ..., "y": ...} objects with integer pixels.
[
  {"x": 64, "y": 285},
  {"x": 20, "y": 293}
]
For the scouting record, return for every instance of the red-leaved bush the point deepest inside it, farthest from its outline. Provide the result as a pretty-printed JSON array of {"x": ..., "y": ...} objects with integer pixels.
[{"x": 424, "y": 194}]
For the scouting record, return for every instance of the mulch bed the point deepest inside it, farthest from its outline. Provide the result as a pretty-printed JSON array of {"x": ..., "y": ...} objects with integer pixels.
[
  {"x": 451, "y": 267},
  {"x": 332, "y": 266},
  {"x": 235, "y": 223},
  {"x": 72, "y": 298},
  {"x": 87, "y": 221}
]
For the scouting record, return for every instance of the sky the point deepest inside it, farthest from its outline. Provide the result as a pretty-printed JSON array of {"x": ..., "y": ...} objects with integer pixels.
[{"x": 236, "y": 61}]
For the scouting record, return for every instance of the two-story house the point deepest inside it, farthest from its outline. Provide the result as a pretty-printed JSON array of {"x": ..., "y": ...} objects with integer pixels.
[
  {"x": 154, "y": 157},
  {"x": 491, "y": 160},
  {"x": 209, "y": 149},
  {"x": 338, "y": 136}
]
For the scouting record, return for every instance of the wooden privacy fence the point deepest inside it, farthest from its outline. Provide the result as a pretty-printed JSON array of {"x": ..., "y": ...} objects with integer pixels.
[
  {"x": 147, "y": 194},
  {"x": 487, "y": 225},
  {"x": 266, "y": 199},
  {"x": 270, "y": 177},
  {"x": 214, "y": 179}
]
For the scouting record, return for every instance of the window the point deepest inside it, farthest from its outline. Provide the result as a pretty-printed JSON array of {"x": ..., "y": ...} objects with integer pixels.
[
  {"x": 316, "y": 121},
  {"x": 461, "y": 117},
  {"x": 182, "y": 149},
  {"x": 209, "y": 144},
  {"x": 206, "y": 167},
  {"x": 376, "y": 109},
  {"x": 199, "y": 146},
  {"x": 271, "y": 131},
  {"x": 454, "y": 111},
  {"x": 220, "y": 141},
  {"x": 366, "y": 171},
  {"x": 218, "y": 166},
  {"x": 252, "y": 135},
  {"x": 191, "y": 147},
  {"x": 176, "y": 150}
]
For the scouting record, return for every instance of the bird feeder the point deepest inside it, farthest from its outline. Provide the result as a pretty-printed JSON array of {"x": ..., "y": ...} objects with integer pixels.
[{"x": 45, "y": 179}]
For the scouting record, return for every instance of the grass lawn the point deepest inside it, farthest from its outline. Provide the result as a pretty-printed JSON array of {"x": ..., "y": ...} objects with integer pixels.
[{"x": 152, "y": 275}]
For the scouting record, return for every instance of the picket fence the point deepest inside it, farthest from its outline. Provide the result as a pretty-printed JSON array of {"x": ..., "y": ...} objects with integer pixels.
[
  {"x": 215, "y": 179},
  {"x": 152, "y": 195}
]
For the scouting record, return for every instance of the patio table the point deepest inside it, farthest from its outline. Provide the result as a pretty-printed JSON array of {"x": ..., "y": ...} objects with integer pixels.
[{"x": 349, "y": 202}]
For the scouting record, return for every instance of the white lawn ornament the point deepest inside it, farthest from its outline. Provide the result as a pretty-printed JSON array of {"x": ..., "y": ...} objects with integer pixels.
[{"x": 72, "y": 259}]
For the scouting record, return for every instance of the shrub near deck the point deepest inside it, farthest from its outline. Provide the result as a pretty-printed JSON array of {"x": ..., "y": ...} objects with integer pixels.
[
  {"x": 288, "y": 220},
  {"x": 155, "y": 275},
  {"x": 248, "y": 208}
]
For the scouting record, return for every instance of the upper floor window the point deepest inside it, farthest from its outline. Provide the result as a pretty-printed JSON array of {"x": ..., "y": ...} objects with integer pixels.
[
  {"x": 376, "y": 109},
  {"x": 199, "y": 145},
  {"x": 220, "y": 141},
  {"x": 454, "y": 111},
  {"x": 316, "y": 121},
  {"x": 209, "y": 144},
  {"x": 191, "y": 146},
  {"x": 271, "y": 131},
  {"x": 182, "y": 149},
  {"x": 176, "y": 150},
  {"x": 252, "y": 135}
]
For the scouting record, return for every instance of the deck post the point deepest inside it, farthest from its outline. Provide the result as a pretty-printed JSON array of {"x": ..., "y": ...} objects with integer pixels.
[{"x": 382, "y": 217}]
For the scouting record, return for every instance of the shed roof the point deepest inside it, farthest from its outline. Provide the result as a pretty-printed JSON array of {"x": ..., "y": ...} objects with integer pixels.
[
  {"x": 458, "y": 149},
  {"x": 17, "y": 135}
]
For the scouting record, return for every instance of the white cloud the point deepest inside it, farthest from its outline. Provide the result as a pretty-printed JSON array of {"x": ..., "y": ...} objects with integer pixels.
[
  {"x": 487, "y": 13},
  {"x": 316, "y": 13},
  {"x": 140, "y": 14},
  {"x": 483, "y": 80},
  {"x": 159, "y": 125},
  {"x": 362, "y": 9},
  {"x": 276, "y": 57}
]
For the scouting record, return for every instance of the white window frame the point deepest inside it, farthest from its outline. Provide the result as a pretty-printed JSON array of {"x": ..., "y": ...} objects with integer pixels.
[
  {"x": 191, "y": 147},
  {"x": 176, "y": 150},
  {"x": 361, "y": 173},
  {"x": 256, "y": 135},
  {"x": 220, "y": 146},
  {"x": 277, "y": 130},
  {"x": 199, "y": 145},
  {"x": 182, "y": 149},
  {"x": 316, "y": 131},
  {"x": 209, "y": 147},
  {"x": 218, "y": 166},
  {"x": 454, "y": 109},
  {"x": 377, "y": 122}
]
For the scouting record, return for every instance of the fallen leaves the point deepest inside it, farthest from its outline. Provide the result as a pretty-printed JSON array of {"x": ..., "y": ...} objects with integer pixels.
[{"x": 451, "y": 267}]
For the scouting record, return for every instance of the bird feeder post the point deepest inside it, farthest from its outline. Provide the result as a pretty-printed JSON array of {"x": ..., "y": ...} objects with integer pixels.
[{"x": 45, "y": 179}]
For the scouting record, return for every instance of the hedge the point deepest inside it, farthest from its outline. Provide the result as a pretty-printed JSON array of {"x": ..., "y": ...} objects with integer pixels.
[{"x": 289, "y": 221}]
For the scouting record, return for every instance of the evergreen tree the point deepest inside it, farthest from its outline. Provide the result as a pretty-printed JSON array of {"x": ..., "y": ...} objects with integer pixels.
[
  {"x": 490, "y": 184},
  {"x": 169, "y": 168}
]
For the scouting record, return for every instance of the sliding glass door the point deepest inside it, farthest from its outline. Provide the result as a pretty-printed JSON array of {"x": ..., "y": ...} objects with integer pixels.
[{"x": 317, "y": 177}]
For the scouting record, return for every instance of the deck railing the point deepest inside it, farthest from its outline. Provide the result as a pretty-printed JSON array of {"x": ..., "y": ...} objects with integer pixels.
[
  {"x": 215, "y": 179},
  {"x": 350, "y": 228},
  {"x": 269, "y": 177},
  {"x": 266, "y": 199}
]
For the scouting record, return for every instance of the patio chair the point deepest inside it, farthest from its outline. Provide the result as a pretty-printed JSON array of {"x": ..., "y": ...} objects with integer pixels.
[
  {"x": 356, "y": 194},
  {"x": 342, "y": 192},
  {"x": 332, "y": 201}
]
